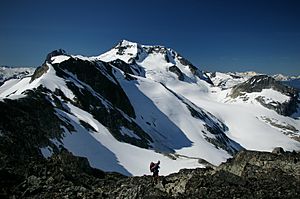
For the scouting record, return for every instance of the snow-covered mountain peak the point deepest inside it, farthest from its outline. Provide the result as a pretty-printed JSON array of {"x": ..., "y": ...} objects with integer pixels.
[
  {"x": 125, "y": 42},
  {"x": 128, "y": 47},
  {"x": 125, "y": 50},
  {"x": 156, "y": 62},
  {"x": 143, "y": 103},
  {"x": 128, "y": 44}
]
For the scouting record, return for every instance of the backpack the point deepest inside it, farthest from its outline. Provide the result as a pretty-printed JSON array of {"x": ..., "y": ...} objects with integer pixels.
[{"x": 152, "y": 166}]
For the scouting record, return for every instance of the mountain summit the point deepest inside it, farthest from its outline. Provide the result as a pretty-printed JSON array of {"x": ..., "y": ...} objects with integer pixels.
[
  {"x": 153, "y": 59},
  {"x": 138, "y": 103}
]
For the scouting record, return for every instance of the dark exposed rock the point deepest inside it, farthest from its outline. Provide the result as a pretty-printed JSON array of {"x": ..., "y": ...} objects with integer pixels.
[
  {"x": 121, "y": 50},
  {"x": 32, "y": 120},
  {"x": 156, "y": 49},
  {"x": 54, "y": 53},
  {"x": 99, "y": 76},
  {"x": 204, "y": 76},
  {"x": 285, "y": 108},
  {"x": 287, "y": 162},
  {"x": 184, "y": 61},
  {"x": 122, "y": 66},
  {"x": 27, "y": 124},
  {"x": 278, "y": 150},
  {"x": 177, "y": 71},
  {"x": 248, "y": 175},
  {"x": 167, "y": 58},
  {"x": 194, "y": 70},
  {"x": 39, "y": 72},
  {"x": 123, "y": 45},
  {"x": 92, "y": 73}
]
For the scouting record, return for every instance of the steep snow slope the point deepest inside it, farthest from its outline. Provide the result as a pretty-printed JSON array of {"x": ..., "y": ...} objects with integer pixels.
[
  {"x": 135, "y": 104},
  {"x": 246, "y": 124},
  {"x": 177, "y": 138},
  {"x": 235, "y": 114},
  {"x": 16, "y": 88}
]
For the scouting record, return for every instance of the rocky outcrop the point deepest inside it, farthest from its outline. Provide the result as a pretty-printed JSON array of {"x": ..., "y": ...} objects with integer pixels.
[
  {"x": 177, "y": 71},
  {"x": 63, "y": 174},
  {"x": 53, "y": 54},
  {"x": 122, "y": 66},
  {"x": 251, "y": 163},
  {"x": 286, "y": 108},
  {"x": 278, "y": 150},
  {"x": 39, "y": 72},
  {"x": 248, "y": 175}
]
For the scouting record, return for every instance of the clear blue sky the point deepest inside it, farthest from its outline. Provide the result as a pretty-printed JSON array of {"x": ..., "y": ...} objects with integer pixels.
[{"x": 216, "y": 35}]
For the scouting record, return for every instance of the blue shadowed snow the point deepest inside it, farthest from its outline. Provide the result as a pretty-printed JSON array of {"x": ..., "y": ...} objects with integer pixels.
[{"x": 82, "y": 143}]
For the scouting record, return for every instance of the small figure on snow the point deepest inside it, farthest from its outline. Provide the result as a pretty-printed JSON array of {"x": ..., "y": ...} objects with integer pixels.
[{"x": 154, "y": 168}]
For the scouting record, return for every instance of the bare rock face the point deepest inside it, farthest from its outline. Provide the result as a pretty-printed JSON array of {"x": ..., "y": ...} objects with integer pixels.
[
  {"x": 39, "y": 72},
  {"x": 278, "y": 150},
  {"x": 122, "y": 66},
  {"x": 177, "y": 71},
  {"x": 44, "y": 68},
  {"x": 54, "y": 53}
]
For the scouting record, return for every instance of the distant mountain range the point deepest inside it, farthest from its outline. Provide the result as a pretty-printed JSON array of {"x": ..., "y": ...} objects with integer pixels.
[
  {"x": 7, "y": 73},
  {"x": 230, "y": 78},
  {"x": 135, "y": 104}
]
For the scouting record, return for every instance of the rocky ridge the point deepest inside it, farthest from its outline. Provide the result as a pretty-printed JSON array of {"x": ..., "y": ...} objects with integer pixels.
[{"x": 248, "y": 175}]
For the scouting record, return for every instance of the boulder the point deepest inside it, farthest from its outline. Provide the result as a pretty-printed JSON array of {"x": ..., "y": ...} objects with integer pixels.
[{"x": 278, "y": 150}]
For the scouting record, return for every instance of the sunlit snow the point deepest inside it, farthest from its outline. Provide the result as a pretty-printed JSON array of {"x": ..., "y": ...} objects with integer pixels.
[{"x": 163, "y": 114}]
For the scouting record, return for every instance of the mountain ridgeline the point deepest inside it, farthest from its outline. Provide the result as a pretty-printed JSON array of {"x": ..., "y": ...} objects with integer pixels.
[
  {"x": 260, "y": 82},
  {"x": 249, "y": 174},
  {"x": 132, "y": 105}
]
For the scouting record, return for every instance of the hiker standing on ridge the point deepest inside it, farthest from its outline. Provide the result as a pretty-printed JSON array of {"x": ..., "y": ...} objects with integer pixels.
[{"x": 154, "y": 168}]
